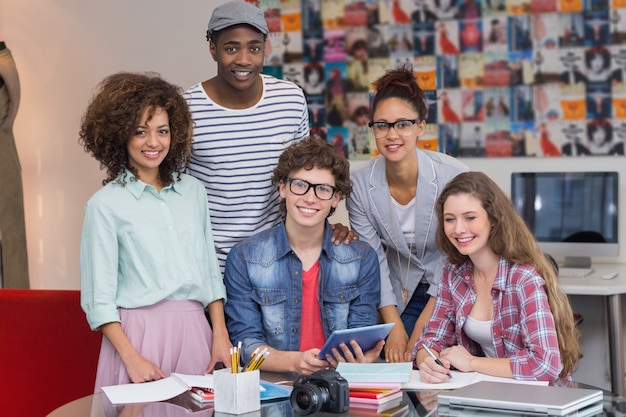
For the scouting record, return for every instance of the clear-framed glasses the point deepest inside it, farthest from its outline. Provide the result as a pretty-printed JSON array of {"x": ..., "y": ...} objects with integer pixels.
[
  {"x": 402, "y": 127},
  {"x": 301, "y": 187}
]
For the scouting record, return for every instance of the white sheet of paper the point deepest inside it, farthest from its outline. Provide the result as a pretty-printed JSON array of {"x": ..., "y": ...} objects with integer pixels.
[
  {"x": 461, "y": 379},
  {"x": 145, "y": 392},
  {"x": 160, "y": 390},
  {"x": 198, "y": 381}
]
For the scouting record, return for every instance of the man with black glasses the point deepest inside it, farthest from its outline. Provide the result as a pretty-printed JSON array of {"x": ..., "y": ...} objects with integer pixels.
[{"x": 290, "y": 287}]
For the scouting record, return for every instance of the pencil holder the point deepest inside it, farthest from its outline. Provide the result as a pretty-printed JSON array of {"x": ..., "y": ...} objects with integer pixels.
[{"x": 237, "y": 393}]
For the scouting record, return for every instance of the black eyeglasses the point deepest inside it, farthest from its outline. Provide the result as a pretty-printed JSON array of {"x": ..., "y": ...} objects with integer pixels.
[
  {"x": 301, "y": 187},
  {"x": 401, "y": 127}
]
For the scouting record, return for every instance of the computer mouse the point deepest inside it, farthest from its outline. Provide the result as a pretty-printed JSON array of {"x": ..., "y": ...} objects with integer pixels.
[{"x": 608, "y": 275}]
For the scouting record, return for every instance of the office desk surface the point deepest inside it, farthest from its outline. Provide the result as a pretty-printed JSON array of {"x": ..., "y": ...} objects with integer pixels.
[
  {"x": 592, "y": 284},
  {"x": 611, "y": 290},
  {"x": 421, "y": 404}
]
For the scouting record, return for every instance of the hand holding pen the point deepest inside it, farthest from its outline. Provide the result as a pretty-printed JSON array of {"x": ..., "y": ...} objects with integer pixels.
[{"x": 437, "y": 360}]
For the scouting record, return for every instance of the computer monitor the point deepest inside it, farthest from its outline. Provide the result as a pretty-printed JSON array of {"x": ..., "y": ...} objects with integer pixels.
[{"x": 573, "y": 215}]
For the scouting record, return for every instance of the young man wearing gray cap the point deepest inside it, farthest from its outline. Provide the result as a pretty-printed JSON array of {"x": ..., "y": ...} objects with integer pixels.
[{"x": 243, "y": 121}]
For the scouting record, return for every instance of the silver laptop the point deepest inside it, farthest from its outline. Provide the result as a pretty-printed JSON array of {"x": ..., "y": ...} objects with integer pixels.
[
  {"x": 520, "y": 398},
  {"x": 592, "y": 410}
]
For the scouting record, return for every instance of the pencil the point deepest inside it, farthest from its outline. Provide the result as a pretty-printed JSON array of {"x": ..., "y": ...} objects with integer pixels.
[
  {"x": 238, "y": 354},
  {"x": 260, "y": 360},
  {"x": 245, "y": 368},
  {"x": 254, "y": 363}
]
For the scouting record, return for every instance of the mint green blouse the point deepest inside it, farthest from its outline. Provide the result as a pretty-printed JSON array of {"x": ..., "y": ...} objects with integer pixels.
[{"x": 139, "y": 247}]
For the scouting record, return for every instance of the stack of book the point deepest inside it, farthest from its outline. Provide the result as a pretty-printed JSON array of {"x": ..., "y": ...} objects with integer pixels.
[
  {"x": 377, "y": 398},
  {"x": 375, "y": 388}
]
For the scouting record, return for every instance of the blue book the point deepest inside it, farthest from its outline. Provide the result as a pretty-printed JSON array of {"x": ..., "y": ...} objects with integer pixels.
[{"x": 273, "y": 391}]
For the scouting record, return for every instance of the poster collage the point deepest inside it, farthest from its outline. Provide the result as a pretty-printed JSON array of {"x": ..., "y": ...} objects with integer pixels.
[{"x": 502, "y": 78}]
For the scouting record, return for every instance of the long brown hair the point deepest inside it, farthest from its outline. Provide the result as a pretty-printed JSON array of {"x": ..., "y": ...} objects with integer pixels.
[{"x": 511, "y": 239}]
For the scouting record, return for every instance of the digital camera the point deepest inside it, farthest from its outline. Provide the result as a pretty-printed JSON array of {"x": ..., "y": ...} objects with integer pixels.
[{"x": 324, "y": 390}]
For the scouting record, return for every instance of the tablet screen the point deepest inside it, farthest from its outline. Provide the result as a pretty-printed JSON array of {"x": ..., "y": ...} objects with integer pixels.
[{"x": 366, "y": 337}]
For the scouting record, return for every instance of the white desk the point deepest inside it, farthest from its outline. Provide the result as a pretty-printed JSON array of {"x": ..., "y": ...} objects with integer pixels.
[{"x": 611, "y": 290}]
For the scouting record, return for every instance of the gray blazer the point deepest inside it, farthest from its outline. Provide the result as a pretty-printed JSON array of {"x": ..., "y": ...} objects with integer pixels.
[{"x": 368, "y": 208}]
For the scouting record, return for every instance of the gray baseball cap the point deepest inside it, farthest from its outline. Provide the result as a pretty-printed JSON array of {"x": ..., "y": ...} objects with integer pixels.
[{"x": 237, "y": 12}]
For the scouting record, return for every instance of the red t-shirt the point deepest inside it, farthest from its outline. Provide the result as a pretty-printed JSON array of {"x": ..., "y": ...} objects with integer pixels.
[{"x": 311, "y": 330}]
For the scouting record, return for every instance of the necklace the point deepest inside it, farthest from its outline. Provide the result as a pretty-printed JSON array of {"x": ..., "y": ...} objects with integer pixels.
[{"x": 405, "y": 283}]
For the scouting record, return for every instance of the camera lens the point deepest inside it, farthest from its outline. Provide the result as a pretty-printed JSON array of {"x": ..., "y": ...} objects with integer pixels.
[
  {"x": 309, "y": 399},
  {"x": 303, "y": 400}
]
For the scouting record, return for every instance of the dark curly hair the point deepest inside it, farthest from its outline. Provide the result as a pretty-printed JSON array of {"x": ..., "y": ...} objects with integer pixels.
[
  {"x": 400, "y": 83},
  {"x": 310, "y": 153},
  {"x": 114, "y": 113}
]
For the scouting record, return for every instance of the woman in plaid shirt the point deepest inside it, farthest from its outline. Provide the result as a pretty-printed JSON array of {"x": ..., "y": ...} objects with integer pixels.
[{"x": 499, "y": 309}]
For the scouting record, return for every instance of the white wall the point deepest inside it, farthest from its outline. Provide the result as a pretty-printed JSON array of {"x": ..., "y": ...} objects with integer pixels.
[{"x": 63, "y": 48}]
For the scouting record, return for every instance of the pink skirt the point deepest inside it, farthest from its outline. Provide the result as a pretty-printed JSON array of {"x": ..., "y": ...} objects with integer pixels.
[{"x": 174, "y": 334}]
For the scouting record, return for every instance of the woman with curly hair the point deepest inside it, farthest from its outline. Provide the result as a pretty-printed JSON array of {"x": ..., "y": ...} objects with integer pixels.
[
  {"x": 499, "y": 310},
  {"x": 148, "y": 264}
]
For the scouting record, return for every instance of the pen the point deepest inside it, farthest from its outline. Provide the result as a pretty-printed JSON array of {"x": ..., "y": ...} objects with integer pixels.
[{"x": 432, "y": 355}]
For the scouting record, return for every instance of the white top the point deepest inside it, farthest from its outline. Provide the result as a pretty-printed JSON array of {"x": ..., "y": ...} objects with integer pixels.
[
  {"x": 480, "y": 332},
  {"x": 235, "y": 152},
  {"x": 406, "y": 217}
]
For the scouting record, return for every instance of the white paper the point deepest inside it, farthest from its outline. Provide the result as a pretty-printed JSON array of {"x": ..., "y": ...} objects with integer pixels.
[
  {"x": 461, "y": 379},
  {"x": 198, "y": 381},
  {"x": 145, "y": 392},
  {"x": 160, "y": 390}
]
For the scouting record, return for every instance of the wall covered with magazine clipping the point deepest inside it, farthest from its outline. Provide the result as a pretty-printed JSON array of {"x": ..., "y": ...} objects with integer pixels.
[{"x": 503, "y": 78}]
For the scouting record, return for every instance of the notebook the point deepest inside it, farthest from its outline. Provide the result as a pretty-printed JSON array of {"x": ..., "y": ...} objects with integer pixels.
[{"x": 520, "y": 398}]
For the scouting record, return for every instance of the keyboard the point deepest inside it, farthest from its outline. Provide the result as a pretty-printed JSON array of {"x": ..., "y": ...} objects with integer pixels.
[{"x": 574, "y": 272}]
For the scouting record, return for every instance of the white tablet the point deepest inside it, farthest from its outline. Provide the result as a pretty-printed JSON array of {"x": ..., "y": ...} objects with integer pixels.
[{"x": 366, "y": 337}]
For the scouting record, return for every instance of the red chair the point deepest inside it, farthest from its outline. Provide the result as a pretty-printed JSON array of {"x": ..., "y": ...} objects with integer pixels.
[{"x": 48, "y": 353}]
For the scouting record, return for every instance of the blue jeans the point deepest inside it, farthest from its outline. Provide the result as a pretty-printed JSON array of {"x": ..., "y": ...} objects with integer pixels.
[{"x": 414, "y": 307}]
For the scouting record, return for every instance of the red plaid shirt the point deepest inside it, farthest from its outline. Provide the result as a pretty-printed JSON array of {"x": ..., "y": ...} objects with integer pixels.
[{"x": 522, "y": 329}]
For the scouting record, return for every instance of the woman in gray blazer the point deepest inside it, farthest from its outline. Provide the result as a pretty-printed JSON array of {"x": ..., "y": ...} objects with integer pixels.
[{"x": 387, "y": 211}]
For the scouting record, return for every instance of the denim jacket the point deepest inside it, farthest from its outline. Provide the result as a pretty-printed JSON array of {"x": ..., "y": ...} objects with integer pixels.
[{"x": 264, "y": 287}]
